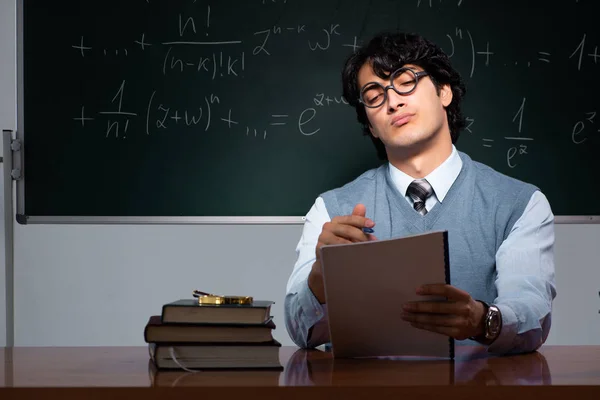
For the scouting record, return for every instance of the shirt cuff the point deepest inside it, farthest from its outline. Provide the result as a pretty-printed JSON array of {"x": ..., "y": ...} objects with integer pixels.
[
  {"x": 505, "y": 340},
  {"x": 314, "y": 316}
]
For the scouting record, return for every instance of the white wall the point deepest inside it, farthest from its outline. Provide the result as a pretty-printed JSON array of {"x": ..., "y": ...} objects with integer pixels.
[
  {"x": 91, "y": 285},
  {"x": 577, "y": 305},
  {"x": 97, "y": 285}
]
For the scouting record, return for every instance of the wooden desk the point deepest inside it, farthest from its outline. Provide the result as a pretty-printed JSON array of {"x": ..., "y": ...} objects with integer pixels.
[{"x": 569, "y": 372}]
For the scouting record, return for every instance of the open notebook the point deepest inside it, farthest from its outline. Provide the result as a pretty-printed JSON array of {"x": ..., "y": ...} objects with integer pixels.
[{"x": 365, "y": 287}]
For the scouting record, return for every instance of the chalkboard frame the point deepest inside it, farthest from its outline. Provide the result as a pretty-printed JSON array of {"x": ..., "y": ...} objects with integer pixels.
[{"x": 18, "y": 159}]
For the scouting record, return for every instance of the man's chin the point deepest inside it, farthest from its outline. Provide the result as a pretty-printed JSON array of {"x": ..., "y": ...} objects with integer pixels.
[
  {"x": 407, "y": 140},
  {"x": 408, "y": 144}
]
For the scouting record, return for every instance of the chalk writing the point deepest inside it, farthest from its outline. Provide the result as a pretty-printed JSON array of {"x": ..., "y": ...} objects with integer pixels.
[
  {"x": 321, "y": 100},
  {"x": 183, "y": 52},
  {"x": 213, "y": 64},
  {"x": 113, "y": 126},
  {"x": 183, "y": 26},
  {"x": 82, "y": 48},
  {"x": 580, "y": 51},
  {"x": 520, "y": 149},
  {"x": 279, "y": 119},
  {"x": 324, "y": 43},
  {"x": 458, "y": 34},
  {"x": 514, "y": 150},
  {"x": 83, "y": 118},
  {"x": 305, "y": 117},
  {"x": 470, "y": 122},
  {"x": 354, "y": 45},
  {"x": 520, "y": 114},
  {"x": 169, "y": 117},
  {"x": 544, "y": 56},
  {"x": 577, "y": 134},
  {"x": 142, "y": 42}
]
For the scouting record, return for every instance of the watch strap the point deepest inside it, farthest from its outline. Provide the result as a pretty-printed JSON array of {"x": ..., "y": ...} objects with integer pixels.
[{"x": 482, "y": 338}]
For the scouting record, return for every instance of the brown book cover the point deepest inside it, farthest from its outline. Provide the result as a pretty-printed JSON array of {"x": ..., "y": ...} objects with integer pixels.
[
  {"x": 189, "y": 311},
  {"x": 215, "y": 377},
  {"x": 359, "y": 305},
  {"x": 216, "y": 355},
  {"x": 159, "y": 332}
]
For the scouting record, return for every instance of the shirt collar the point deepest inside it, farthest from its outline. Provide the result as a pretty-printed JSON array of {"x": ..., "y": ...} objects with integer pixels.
[{"x": 440, "y": 179}]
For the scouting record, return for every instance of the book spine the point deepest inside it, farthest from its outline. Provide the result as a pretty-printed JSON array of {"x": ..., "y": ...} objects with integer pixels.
[
  {"x": 446, "y": 258},
  {"x": 447, "y": 273}
]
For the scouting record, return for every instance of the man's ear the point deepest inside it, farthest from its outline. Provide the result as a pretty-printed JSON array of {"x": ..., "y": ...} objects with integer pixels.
[{"x": 446, "y": 95}]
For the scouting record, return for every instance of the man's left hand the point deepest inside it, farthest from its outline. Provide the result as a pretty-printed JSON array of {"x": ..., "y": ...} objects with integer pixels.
[{"x": 460, "y": 317}]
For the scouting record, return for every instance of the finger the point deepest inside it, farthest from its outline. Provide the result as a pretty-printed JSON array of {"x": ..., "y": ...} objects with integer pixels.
[
  {"x": 434, "y": 319},
  {"x": 360, "y": 210},
  {"x": 441, "y": 289},
  {"x": 352, "y": 233},
  {"x": 327, "y": 238},
  {"x": 357, "y": 221},
  {"x": 349, "y": 232},
  {"x": 444, "y": 330},
  {"x": 433, "y": 307}
]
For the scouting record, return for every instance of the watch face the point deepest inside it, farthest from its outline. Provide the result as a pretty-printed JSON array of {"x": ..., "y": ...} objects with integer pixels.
[{"x": 493, "y": 322}]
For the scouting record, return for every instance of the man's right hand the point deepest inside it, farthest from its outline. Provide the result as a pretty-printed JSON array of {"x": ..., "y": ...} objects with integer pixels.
[{"x": 342, "y": 229}]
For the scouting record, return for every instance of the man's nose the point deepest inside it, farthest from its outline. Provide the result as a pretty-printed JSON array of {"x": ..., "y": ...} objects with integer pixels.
[{"x": 394, "y": 100}]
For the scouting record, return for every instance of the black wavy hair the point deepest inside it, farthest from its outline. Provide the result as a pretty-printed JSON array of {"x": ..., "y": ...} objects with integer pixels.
[{"x": 389, "y": 51}]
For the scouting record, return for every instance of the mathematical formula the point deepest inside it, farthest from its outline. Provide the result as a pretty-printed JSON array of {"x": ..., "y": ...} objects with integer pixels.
[
  {"x": 160, "y": 116},
  {"x": 194, "y": 50}
]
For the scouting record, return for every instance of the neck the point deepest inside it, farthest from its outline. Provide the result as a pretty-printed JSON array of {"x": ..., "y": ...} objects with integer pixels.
[{"x": 420, "y": 160}]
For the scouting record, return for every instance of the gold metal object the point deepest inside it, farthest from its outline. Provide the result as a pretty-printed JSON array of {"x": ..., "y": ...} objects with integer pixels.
[{"x": 207, "y": 298}]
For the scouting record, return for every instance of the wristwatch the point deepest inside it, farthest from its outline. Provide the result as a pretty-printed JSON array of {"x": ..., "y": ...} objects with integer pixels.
[{"x": 492, "y": 324}]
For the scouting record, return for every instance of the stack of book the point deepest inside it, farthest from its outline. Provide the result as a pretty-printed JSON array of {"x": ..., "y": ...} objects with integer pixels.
[{"x": 192, "y": 336}]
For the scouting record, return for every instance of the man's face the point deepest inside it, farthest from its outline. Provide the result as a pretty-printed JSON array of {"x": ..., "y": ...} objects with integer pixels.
[{"x": 411, "y": 120}]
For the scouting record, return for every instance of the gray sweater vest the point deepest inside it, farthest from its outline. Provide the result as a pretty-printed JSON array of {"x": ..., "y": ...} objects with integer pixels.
[{"x": 478, "y": 212}]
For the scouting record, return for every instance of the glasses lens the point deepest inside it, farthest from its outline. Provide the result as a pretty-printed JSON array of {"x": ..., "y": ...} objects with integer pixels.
[
  {"x": 404, "y": 81},
  {"x": 373, "y": 95}
]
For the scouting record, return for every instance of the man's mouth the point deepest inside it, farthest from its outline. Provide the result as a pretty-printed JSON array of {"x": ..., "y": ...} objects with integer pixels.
[{"x": 401, "y": 119}]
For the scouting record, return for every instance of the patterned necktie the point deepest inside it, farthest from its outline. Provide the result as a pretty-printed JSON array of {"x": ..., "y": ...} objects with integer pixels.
[{"x": 419, "y": 190}]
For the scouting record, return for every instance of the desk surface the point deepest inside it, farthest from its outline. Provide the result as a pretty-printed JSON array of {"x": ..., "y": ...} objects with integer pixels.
[{"x": 560, "y": 368}]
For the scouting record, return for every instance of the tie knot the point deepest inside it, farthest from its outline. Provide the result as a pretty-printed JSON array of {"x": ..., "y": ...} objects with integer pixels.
[{"x": 419, "y": 190}]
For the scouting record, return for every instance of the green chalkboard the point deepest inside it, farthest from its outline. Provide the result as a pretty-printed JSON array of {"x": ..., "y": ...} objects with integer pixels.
[{"x": 161, "y": 108}]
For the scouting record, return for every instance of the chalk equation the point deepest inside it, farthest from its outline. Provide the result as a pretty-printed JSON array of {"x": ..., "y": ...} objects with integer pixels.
[
  {"x": 160, "y": 116},
  {"x": 518, "y": 145},
  {"x": 212, "y": 62},
  {"x": 199, "y": 45},
  {"x": 321, "y": 38}
]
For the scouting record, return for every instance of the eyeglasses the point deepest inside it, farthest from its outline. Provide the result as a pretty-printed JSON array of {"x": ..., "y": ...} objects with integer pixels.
[{"x": 404, "y": 81}]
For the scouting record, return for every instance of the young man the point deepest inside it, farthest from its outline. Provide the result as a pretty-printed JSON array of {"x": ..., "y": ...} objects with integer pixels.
[{"x": 501, "y": 231}]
